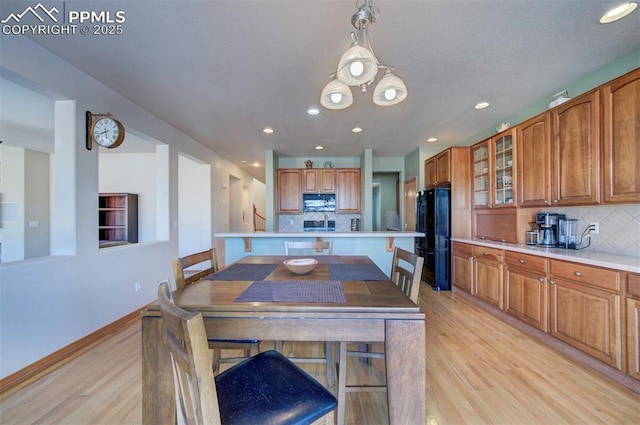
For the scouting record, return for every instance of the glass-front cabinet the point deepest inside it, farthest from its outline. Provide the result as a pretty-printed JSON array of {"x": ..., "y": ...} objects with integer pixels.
[
  {"x": 494, "y": 172},
  {"x": 504, "y": 177},
  {"x": 481, "y": 175}
]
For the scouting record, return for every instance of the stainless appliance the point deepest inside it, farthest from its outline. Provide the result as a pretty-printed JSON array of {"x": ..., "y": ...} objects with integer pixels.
[
  {"x": 433, "y": 218},
  {"x": 567, "y": 233},
  {"x": 319, "y": 225},
  {"x": 548, "y": 228},
  {"x": 318, "y": 202}
]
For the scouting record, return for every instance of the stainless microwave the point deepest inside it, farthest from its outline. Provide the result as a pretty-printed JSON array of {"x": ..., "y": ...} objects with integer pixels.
[{"x": 318, "y": 202}]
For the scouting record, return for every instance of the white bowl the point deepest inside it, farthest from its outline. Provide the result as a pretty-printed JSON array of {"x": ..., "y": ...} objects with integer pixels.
[{"x": 301, "y": 265}]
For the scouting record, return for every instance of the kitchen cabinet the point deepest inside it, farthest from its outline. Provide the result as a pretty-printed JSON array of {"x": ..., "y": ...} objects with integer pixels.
[
  {"x": 320, "y": 180},
  {"x": 487, "y": 275},
  {"x": 494, "y": 171},
  {"x": 480, "y": 155},
  {"x": 633, "y": 325},
  {"x": 534, "y": 161},
  {"x": 443, "y": 167},
  {"x": 462, "y": 266},
  {"x": 585, "y": 305},
  {"x": 348, "y": 190},
  {"x": 289, "y": 193},
  {"x": 576, "y": 151},
  {"x": 430, "y": 172},
  {"x": 117, "y": 219},
  {"x": 621, "y": 146},
  {"x": 437, "y": 169},
  {"x": 526, "y": 289}
]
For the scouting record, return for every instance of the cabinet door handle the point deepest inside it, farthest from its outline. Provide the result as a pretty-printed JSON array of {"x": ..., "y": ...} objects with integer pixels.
[
  {"x": 522, "y": 261},
  {"x": 555, "y": 201},
  {"x": 546, "y": 201},
  {"x": 485, "y": 253},
  {"x": 552, "y": 282},
  {"x": 578, "y": 274},
  {"x": 541, "y": 279}
]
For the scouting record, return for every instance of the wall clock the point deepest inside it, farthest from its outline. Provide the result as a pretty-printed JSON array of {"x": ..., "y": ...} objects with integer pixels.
[{"x": 103, "y": 129}]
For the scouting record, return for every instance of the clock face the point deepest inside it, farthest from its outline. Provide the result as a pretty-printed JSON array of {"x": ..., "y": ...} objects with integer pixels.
[{"x": 106, "y": 132}]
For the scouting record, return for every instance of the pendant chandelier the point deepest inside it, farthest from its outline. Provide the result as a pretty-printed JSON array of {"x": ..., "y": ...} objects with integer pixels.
[{"x": 359, "y": 67}]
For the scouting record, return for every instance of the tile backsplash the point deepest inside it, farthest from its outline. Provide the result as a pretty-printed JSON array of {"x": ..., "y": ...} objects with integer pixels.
[
  {"x": 294, "y": 222},
  {"x": 619, "y": 227}
]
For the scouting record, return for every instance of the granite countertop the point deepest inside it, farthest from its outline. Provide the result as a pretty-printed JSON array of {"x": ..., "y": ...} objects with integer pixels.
[
  {"x": 594, "y": 258},
  {"x": 360, "y": 234}
]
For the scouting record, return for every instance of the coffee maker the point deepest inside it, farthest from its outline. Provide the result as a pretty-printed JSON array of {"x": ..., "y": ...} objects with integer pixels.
[{"x": 548, "y": 228}]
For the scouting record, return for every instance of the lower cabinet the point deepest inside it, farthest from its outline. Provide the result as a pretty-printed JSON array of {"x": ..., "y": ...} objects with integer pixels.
[
  {"x": 487, "y": 276},
  {"x": 526, "y": 296},
  {"x": 462, "y": 266},
  {"x": 633, "y": 325},
  {"x": 526, "y": 289},
  {"x": 587, "y": 318}
]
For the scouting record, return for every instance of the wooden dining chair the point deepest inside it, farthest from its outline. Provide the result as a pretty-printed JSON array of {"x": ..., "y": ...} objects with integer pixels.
[
  {"x": 184, "y": 277},
  {"x": 264, "y": 389},
  {"x": 318, "y": 246},
  {"x": 406, "y": 274}
]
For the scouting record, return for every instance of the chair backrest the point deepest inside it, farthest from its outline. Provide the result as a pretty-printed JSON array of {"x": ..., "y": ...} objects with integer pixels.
[
  {"x": 407, "y": 279},
  {"x": 185, "y": 338},
  {"x": 180, "y": 264},
  {"x": 318, "y": 246}
]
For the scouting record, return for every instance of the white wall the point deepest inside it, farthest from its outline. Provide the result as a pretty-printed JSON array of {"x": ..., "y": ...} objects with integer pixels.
[
  {"x": 133, "y": 173},
  {"x": 80, "y": 289}
]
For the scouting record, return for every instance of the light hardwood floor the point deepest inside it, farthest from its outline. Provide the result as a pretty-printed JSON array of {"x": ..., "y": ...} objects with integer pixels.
[{"x": 480, "y": 370}]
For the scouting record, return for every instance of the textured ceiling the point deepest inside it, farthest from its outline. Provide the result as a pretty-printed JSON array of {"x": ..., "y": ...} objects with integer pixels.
[{"x": 220, "y": 71}]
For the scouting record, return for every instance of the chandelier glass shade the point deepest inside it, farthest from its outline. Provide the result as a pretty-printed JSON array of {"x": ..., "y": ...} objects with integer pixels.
[
  {"x": 359, "y": 66},
  {"x": 390, "y": 90},
  {"x": 336, "y": 95}
]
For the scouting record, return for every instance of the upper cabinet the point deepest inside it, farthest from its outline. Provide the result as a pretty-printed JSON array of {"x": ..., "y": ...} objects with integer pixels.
[
  {"x": 293, "y": 182},
  {"x": 480, "y": 157},
  {"x": 348, "y": 190},
  {"x": 494, "y": 175},
  {"x": 320, "y": 180},
  {"x": 621, "y": 144},
  {"x": 430, "y": 172},
  {"x": 289, "y": 194},
  {"x": 576, "y": 143},
  {"x": 437, "y": 169},
  {"x": 534, "y": 161}
]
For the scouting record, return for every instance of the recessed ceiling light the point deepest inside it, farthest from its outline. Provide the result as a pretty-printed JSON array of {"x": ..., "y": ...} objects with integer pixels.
[
  {"x": 243, "y": 161},
  {"x": 313, "y": 111},
  {"x": 618, "y": 12},
  {"x": 267, "y": 130},
  {"x": 319, "y": 148},
  {"x": 357, "y": 130},
  {"x": 256, "y": 164},
  {"x": 432, "y": 139},
  {"x": 482, "y": 105}
]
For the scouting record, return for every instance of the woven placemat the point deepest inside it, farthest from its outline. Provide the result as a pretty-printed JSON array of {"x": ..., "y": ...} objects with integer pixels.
[
  {"x": 356, "y": 272},
  {"x": 294, "y": 291},
  {"x": 244, "y": 272}
]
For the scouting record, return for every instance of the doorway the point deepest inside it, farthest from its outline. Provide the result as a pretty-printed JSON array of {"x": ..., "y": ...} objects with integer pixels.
[{"x": 385, "y": 201}]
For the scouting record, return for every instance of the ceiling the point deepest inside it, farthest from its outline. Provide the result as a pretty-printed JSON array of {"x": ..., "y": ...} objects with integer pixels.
[{"x": 221, "y": 71}]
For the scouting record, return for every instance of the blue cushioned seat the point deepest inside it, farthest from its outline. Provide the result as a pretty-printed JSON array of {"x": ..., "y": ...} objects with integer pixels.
[{"x": 270, "y": 389}]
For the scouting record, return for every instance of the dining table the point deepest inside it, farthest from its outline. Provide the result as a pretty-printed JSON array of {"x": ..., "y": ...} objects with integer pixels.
[{"x": 344, "y": 299}]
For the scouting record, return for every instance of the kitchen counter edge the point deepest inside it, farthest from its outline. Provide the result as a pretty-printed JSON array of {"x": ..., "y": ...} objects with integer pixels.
[{"x": 602, "y": 259}]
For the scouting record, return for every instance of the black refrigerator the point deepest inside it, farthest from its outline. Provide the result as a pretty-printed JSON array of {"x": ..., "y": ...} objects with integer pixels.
[{"x": 433, "y": 218}]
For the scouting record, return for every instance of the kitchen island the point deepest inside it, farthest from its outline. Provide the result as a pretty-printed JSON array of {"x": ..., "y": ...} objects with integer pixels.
[{"x": 376, "y": 245}]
